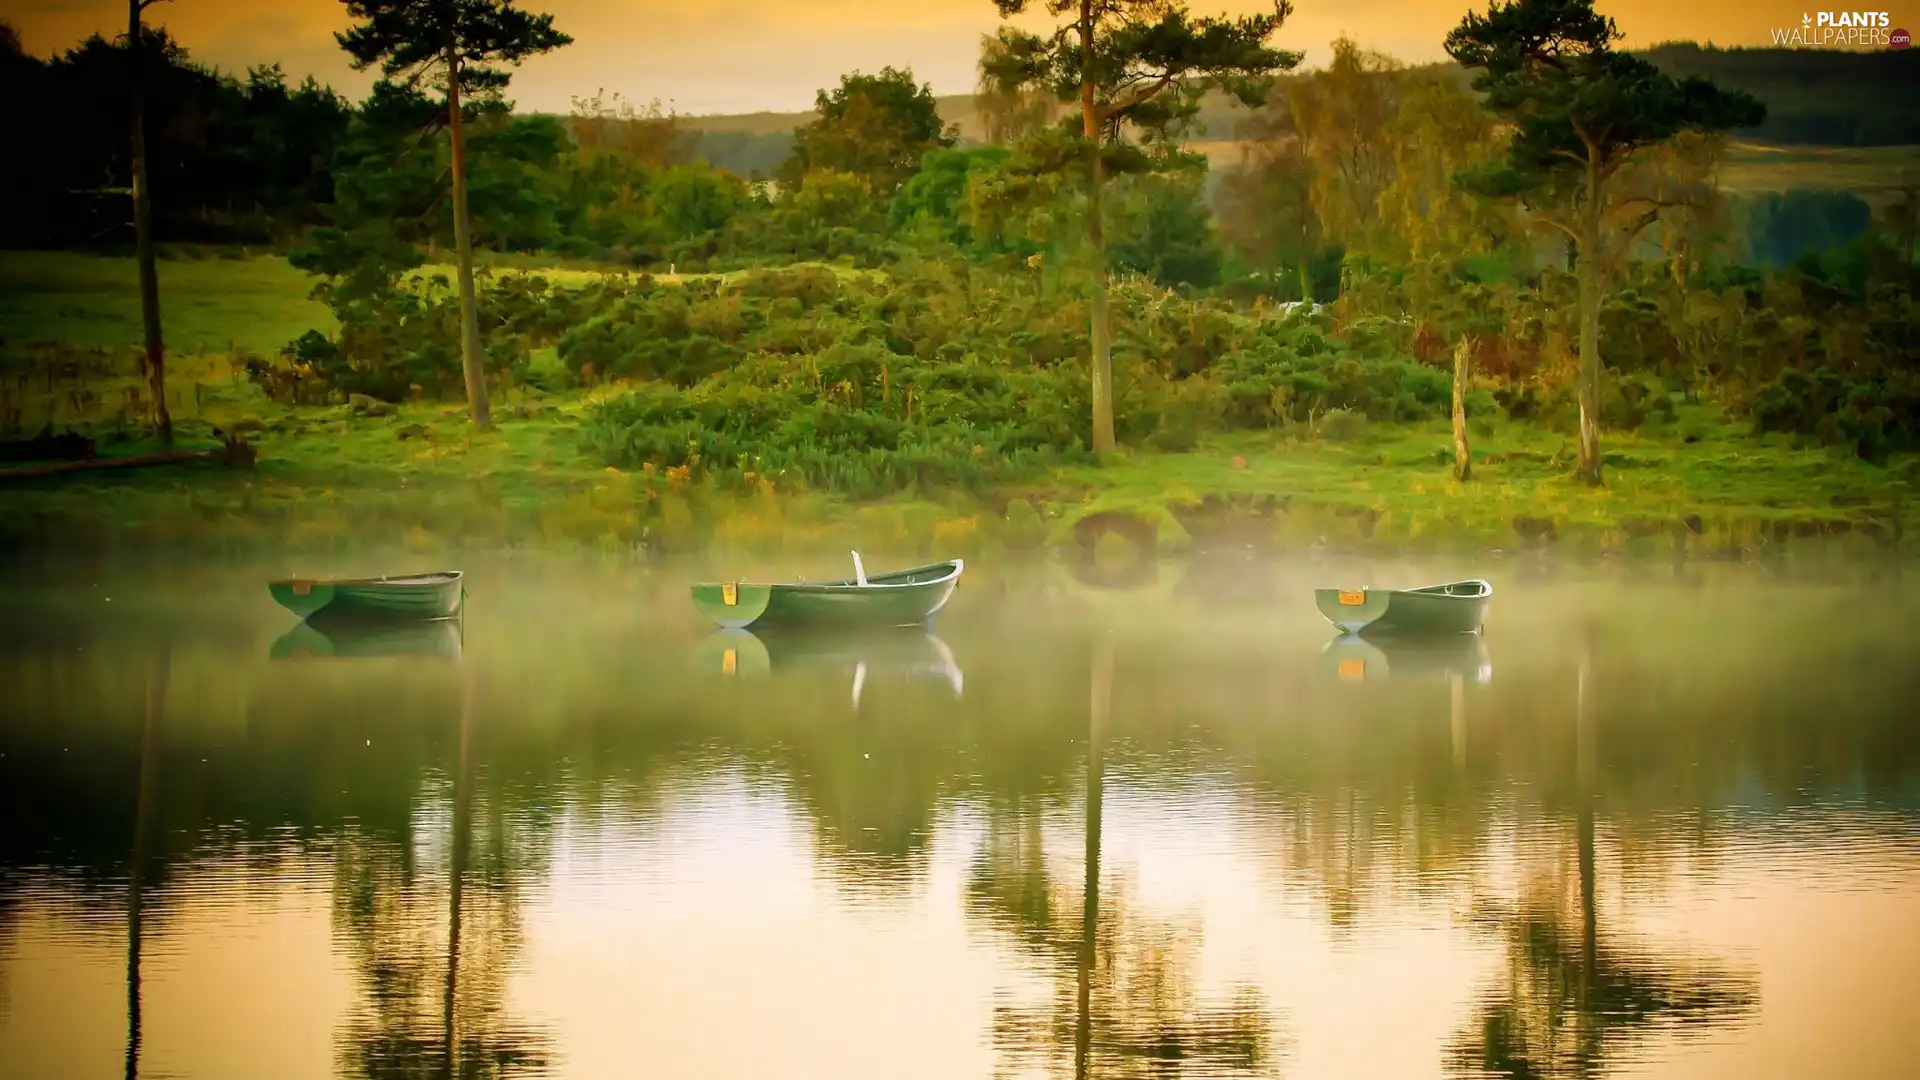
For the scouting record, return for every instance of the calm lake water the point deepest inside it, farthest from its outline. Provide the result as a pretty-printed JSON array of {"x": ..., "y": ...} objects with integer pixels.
[{"x": 1657, "y": 822}]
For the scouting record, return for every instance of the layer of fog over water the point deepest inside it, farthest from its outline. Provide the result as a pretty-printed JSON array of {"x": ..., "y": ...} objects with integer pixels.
[{"x": 1659, "y": 822}]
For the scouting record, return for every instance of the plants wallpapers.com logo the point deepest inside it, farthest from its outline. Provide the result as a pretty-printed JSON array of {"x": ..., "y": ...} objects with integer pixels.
[{"x": 1842, "y": 29}]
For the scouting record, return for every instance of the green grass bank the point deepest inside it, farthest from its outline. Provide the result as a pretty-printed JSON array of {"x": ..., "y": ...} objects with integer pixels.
[{"x": 416, "y": 475}]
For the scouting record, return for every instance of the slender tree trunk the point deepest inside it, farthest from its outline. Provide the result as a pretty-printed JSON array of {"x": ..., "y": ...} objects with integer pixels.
[
  {"x": 1589, "y": 461},
  {"x": 155, "y": 360},
  {"x": 1589, "y": 274},
  {"x": 1103, "y": 441},
  {"x": 463, "y": 243},
  {"x": 1462, "y": 457},
  {"x": 1100, "y": 708}
]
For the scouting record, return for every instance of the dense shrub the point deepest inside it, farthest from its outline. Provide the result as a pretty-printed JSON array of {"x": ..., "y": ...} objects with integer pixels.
[
  {"x": 947, "y": 375},
  {"x": 836, "y": 421},
  {"x": 1874, "y": 416},
  {"x": 399, "y": 336},
  {"x": 953, "y": 371}
]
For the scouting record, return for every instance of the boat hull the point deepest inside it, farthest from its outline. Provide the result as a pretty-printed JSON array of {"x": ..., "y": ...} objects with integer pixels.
[
  {"x": 437, "y": 596},
  {"x": 906, "y": 598},
  {"x": 1389, "y": 612}
]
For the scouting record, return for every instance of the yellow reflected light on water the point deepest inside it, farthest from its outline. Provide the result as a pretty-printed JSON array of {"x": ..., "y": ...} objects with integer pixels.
[{"x": 1657, "y": 831}]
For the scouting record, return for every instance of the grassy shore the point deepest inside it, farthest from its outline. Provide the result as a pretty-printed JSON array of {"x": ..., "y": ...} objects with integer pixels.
[
  {"x": 333, "y": 478},
  {"x": 337, "y": 477}
]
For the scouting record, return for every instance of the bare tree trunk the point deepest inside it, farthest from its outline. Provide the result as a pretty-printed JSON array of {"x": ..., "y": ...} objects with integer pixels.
[
  {"x": 1589, "y": 271},
  {"x": 1462, "y": 457},
  {"x": 155, "y": 360},
  {"x": 1103, "y": 441},
  {"x": 470, "y": 364},
  {"x": 1589, "y": 466}
]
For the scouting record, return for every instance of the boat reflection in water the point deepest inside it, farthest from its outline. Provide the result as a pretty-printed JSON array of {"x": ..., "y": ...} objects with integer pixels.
[
  {"x": 913, "y": 653},
  {"x": 1351, "y": 658},
  {"x": 438, "y": 639}
]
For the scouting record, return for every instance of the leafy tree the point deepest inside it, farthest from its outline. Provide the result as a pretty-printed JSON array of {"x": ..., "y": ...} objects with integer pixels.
[
  {"x": 823, "y": 210},
  {"x": 1267, "y": 201},
  {"x": 1316, "y": 162},
  {"x": 514, "y": 202},
  {"x": 1009, "y": 114},
  {"x": 690, "y": 200},
  {"x": 876, "y": 127},
  {"x": 1438, "y": 129},
  {"x": 930, "y": 205},
  {"x": 465, "y": 41},
  {"x": 227, "y": 158},
  {"x": 1139, "y": 68},
  {"x": 389, "y": 170},
  {"x": 649, "y": 136},
  {"x": 1166, "y": 232},
  {"x": 1341, "y": 116},
  {"x": 1581, "y": 113}
]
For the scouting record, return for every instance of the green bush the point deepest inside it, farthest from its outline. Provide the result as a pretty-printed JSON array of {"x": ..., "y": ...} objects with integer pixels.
[{"x": 1875, "y": 416}]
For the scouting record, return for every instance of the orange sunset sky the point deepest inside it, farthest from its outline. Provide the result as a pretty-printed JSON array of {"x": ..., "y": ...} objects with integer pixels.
[{"x": 705, "y": 56}]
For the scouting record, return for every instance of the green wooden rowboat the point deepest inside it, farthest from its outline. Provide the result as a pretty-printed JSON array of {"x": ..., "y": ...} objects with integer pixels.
[
  {"x": 435, "y": 639},
  {"x": 1351, "y": 658},
  {"x": 1459, "y": 607},
  {"x": 901, "y": 598},
  {"x": 421, "y": 596}
]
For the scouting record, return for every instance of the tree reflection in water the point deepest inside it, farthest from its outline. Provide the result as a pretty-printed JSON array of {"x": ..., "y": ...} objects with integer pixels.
[
  {"x": 1122, "y": 1000},
  {"x": 432, "y": 956},
  {"x": 159, "y": 672},
  {"x": 1573, "y": 1000}
]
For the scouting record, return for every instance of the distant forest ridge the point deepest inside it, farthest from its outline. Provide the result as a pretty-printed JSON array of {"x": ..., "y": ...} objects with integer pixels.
[{"x": 1814, "y": 97}]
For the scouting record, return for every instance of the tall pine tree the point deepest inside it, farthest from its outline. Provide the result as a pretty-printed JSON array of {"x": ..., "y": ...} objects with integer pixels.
[
  {"x": 1580, "y": 112},
  {"x": 464, "y": 42},
  {"x": 1137, "y": 69}
]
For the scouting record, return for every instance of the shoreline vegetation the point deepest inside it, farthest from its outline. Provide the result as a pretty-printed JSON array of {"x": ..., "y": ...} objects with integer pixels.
[{"x": 369, "y": 474}]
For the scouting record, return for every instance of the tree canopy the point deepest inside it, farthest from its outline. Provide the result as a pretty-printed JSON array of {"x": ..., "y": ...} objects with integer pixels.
[
  {"x": 1547, "y": 67},
  {"x": 876, "y": 127},
  {"x": 1142, "y": 65},
  {"x": 408, "y": 38}
]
